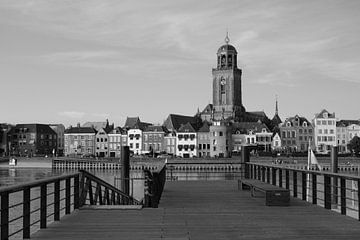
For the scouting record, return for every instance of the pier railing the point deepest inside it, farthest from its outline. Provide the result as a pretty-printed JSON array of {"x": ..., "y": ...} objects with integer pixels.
[
  {"x": 39, "y": 201},
  {"x": 154, "y": 186},
  {"x": 26, "y": 207},
  {"x": 339, "y": 192}
]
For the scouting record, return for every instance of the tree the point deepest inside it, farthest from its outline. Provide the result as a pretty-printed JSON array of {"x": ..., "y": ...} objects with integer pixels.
[{"x": 354, "y": 145}]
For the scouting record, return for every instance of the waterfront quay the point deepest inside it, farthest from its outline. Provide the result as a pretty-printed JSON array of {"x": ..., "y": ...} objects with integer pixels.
[{"x": 206, "y": 210}]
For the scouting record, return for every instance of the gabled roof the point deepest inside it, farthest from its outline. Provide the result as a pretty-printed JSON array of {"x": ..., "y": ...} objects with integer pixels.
[
  {"x": 245, "y": 127},
  {"x": 276, "y": 120},
  {"x": 131, "y": 122},
  {"x": 205, "y": 127},
  {"x": 96, "y": 125},
  {"x": 117, "y": 130},
  {"x": 186, "y": 128},
  {"x": 345, "y": 123},
  {"x": 174, "y": 121},
  {"x": 208, "y": 109},
  {"x": 321, "y": 114},
  {"x": 153, "y": 128},
  {"x": 295, "y": 119},
  {"x": 258, "y": 113},
  {"x": 74, "y": 130}
]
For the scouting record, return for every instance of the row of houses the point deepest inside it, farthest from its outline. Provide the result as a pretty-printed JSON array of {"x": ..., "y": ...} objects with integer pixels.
[{"x": 183, "y": 136}]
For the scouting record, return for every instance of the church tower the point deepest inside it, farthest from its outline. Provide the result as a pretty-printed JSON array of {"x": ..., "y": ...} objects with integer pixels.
[{"x": 227, "y": 97}]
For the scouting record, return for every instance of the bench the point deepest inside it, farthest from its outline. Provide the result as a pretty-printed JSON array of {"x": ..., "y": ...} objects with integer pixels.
[{"x": 274, "y": 195}]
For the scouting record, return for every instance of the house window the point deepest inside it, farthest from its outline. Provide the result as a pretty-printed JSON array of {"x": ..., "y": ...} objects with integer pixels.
[{"x": 220, "y": 133}]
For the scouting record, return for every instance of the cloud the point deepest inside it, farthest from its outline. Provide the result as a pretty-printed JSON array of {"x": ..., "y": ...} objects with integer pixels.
[{"x": 72, "y": 114}]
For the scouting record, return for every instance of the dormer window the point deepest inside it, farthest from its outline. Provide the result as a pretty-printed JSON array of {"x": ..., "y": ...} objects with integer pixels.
[
  {"x": 264, "y": 130},
  {"x": 325, "y": 115},
  {"x": 304, "y": 124},
  {"x": 288, "y": 124}
]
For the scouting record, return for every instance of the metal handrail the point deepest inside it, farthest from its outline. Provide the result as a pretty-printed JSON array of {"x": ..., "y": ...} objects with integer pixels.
[{"x": 334, "y": 186}]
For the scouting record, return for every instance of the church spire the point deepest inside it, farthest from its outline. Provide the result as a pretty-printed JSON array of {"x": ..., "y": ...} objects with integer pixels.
[
  {"x": 276, "y": 105},
  {"x": 227, "y": 39}
]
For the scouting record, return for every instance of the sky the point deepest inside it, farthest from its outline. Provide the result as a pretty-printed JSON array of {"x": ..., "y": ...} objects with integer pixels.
[{"x": 73, "y": 61}]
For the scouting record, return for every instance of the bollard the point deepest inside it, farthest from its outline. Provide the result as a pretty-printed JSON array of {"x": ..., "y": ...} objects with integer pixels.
[
  {"x": 334, "y": 169},
  {"x": 125, "y": 169}
]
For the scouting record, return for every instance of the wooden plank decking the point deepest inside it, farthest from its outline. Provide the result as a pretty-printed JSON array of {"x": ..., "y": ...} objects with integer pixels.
[{"x": 206, "y": 210}]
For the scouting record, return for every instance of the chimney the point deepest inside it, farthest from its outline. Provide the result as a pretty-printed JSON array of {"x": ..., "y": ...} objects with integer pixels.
[{"x": 78, "y": 125}]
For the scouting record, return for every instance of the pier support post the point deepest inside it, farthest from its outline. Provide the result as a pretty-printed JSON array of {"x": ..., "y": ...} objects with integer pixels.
[
  {"x": 125, "y": 169},
  {"x": 334, "y": 169},
  {"x": 245, "y": 158}
]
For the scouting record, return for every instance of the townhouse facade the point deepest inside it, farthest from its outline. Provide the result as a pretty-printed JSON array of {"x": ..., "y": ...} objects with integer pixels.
[
  {"x": 203, "y": 140},
  {"x": 186, "y": 141},
  {"x": 154, "y": 139},
  {"x": 79, "y": 141},
  {"x": 296, "y": 133},
  {"x": 115, "y": 142},
  {"x": 345, "y": 131},
  {"x": 324, "y": 131},
  {"x": 220, "y": 139},
  {"x": 170, "y": 143}
]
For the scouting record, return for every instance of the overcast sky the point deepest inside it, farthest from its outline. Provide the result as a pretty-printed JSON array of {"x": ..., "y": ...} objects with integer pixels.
[{"x": 69, "y": 61}]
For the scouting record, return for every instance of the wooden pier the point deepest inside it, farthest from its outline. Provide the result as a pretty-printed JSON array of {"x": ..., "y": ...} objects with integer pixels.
[{"x": 206, "y": 210}]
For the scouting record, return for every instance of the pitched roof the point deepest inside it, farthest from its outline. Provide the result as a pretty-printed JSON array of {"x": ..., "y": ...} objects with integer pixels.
[
  {"x": 276, "y": 120},
  {"x": 245, "y": 127},
  {"x": 174, "y": 121},
  {"x": 345, "y": 123},
  {"x": 205, "y": 127},
  {"x": 321, "y": 114},
  {"x": 208, "y": 109},
  {"x": 96, "y": 125},
  {"x": 131, "y": 122},
  {"x": 153, "y": 128},
  {"x": 186, "y": 128},
  {"x": 296, "y": 119},
  {"x": 73, "y": 130}
]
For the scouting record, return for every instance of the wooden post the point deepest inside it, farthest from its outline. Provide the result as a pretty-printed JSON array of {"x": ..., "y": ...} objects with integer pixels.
[
  {"x": 125, "y": 169},
  {"x": 245, "y": 158},
  {"x": 26, "y": 213},
  {"x": 334, "y": 169},
  {"x": 4, "y": 230}
]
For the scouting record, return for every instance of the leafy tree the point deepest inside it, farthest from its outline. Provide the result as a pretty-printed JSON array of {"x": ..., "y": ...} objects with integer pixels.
[{"x": 354, "y": 145}]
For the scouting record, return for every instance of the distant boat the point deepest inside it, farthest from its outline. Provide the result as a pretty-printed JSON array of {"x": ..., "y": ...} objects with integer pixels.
[{"x": 12, "y": 162}]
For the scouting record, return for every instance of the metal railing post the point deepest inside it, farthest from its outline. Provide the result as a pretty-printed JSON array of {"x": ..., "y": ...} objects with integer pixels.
[
  {"x": 4, "y": 231},
  {"x": 273, "y": 177},
  {"x": 304, "y": 185},
  {"x": 287, "y": 179},
  {"x": 26, "y": 213},
  {"x": 57, "y": 200},
  {"x": 76, "y": 192},
  {"x": 43, "y": 205},
  {"x": 343, "y": 195},
  {"x": 67, "y": 195},
  {"x": 314, "y": 188},
  {"x": 327, "y": 191},
  {"x": 280, "y": 177},
  {"x": 295, "y": 184}
]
